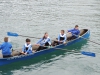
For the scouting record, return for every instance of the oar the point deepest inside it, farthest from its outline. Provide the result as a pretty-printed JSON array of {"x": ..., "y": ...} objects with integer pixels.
[
  {"x": 87, "y": 39},
  {"x": 15, "y": 35},
  {"x": 82, "y": 52}
]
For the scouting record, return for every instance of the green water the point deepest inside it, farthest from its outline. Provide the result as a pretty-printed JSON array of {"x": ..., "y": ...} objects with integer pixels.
[{"x": 35, "y": 17}]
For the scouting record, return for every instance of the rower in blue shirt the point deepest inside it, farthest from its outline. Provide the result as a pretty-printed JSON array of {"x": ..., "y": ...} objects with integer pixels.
[
  {"x": 75, "y": 32},
  {"x": 43, "y": 42},
  {"x": 61, "y": 38},
  {"x": 6, "y": 48},
  {"x": 27, "y": 48}
]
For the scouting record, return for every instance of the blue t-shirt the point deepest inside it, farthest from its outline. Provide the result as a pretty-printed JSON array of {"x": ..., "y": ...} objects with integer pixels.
[
  {"x": 6, "y": 48},
  {"x": 75, "y": 32}
]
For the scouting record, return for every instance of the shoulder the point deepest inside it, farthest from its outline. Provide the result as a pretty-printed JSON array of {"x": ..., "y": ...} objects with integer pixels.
[
  {"x": 3, "y": 43},
  {"x": 72, "y": 29},
  {"x": 30, "y": 45},
  {"x": 78, "y": 30},
  {"x": 64, "y": 34},
  {"x": 48, "y": 37},
  {"x": 59, "y": 34},
  {"x": 41, "y": 39},
  {"x": 25, "y": 44},
  {"x": 9, "y": 43},
  {"x": 6, "y": 43}
]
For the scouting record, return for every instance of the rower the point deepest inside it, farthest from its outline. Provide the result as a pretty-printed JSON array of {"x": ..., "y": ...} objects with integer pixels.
[
  {"x": 74, "y": 32},
  {"x": 27, "y": 48},
  {"x": 44, "y": 42},
  {"x": 61, "y": 38},
  {"x": 6, "y": 48}
]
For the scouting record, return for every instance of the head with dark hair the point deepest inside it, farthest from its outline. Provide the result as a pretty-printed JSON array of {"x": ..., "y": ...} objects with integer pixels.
[
  {"x": 28, "y": 41},
  {"x": 76, "y": 26},
  {"x": 62, "y": 31},
  {"x": 45, "y": 35},
  {"x": 6, "y": 39}
]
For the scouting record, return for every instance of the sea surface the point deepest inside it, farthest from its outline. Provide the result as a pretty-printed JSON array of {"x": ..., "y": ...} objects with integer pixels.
[{"x": 35, "y": 17}]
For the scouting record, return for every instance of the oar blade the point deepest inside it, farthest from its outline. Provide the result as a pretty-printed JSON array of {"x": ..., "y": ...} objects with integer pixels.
[
  {"x": 88, "y": 53},
  {"x": 12, "y": 34}
]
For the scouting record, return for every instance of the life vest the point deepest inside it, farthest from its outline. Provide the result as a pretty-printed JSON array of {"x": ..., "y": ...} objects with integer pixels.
[
  {"x": 46, "y": 43},
  {"x": 28, "y": 46},
  {"x": 62, "y": 37}
]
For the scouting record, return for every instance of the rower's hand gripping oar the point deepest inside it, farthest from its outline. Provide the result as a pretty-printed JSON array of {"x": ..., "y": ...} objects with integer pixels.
[{"x": 16, "y": 35}]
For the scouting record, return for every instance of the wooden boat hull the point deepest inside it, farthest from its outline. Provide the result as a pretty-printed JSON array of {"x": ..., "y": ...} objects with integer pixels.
[{"x": 4, "y": 61}]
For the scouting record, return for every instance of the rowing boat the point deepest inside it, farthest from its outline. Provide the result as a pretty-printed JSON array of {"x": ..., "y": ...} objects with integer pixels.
[{"x": 84, "y": 33}]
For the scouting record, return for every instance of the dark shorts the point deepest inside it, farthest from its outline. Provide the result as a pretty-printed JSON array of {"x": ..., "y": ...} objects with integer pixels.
[
  {"x": 56, "y": 43},
  {"x": 41, "y": 48}
]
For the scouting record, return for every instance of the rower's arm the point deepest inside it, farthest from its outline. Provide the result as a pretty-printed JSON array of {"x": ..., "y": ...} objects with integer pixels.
[
  {"x": 39, "y": 41},
  {"x": 70, "y": 30},
  {"x": 58, "y": 37},
  {"x": 23, "y": 48},
  {"x": 0, "y": 47},
  {"x": 30, "y": 48},
  {"x": 65, "y": 39}
]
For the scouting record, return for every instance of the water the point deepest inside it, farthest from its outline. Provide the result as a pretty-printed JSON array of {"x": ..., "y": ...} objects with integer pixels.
[{"x": 35, "y": 17}]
